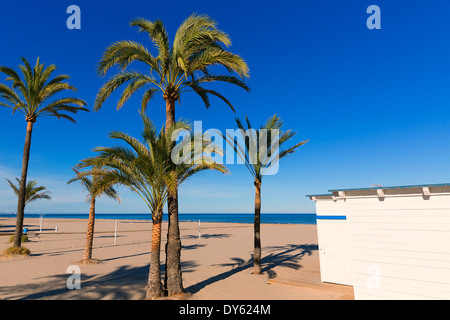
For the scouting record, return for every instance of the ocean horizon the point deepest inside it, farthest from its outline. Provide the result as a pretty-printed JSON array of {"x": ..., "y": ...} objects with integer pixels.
[{"x": 266, "y": 218}]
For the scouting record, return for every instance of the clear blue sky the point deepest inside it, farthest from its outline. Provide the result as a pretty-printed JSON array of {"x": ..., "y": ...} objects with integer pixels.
[{"x": 375, "y": 104}]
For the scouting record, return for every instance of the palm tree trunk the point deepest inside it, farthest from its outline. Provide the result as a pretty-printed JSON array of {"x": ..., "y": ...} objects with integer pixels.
[
  {"x": 173, "y": 281},
  {"x": 90, "y": 232},
  {"x": 154, "y": 286},
  {"x": 170, "y": 113},
  {"x": 257, "y": 230},
  {"x": 23, "y": 183}
]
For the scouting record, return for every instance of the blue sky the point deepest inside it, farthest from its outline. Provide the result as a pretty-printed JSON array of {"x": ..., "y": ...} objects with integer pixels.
[{"x": 374, "y": 103}]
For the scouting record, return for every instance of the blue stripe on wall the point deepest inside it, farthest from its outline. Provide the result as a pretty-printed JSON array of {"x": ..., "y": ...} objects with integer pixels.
[{"x": 331, "y": 218}]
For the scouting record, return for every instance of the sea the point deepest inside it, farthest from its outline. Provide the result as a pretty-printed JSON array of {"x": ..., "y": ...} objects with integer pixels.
[{"x": 266, "y": 218}]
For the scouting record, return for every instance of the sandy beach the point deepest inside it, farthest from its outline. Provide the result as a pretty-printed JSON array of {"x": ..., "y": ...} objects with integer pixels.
[{"x": 216, "y": 266}]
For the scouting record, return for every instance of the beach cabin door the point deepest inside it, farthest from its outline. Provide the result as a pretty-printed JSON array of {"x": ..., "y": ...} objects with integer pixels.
[{"x": 334, "y": 250}]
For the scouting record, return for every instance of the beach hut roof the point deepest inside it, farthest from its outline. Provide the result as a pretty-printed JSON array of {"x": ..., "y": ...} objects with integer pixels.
[
  {"x": 394, "y": 187},
  {"x": 380, "y": 190},
  {"x": 319, "y": 195}
]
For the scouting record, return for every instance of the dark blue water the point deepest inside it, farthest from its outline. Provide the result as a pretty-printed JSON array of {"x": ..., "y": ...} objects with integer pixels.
[{"x": 276, "y": 218}]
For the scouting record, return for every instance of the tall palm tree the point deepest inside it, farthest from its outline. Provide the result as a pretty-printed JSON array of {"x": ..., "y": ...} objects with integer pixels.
[
  {"x": 260, "y": 150},
  {"x": 146, "y": 169},
  {"x": 32, "y": 192},
  {"x": 185, "y": 65},
  {"x": 90, "y": 185},
  {"x": 31, "y": 97}
]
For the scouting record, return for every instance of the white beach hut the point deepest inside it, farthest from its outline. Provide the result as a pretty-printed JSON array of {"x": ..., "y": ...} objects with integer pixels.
[{"x": 398, "y": 240}]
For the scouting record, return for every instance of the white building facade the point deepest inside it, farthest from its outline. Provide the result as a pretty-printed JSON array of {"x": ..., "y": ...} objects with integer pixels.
[{"x": 388, "y": 242}]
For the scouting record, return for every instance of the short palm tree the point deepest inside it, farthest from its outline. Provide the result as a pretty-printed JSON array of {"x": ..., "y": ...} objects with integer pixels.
[
  {"x": 32, "y": 191},
  {"x": 32, "y": 96},
  {"x": 185, "y": 65},
  {"x": 260, "y": 150},
  {"x": 146, "y": 168},
  {"x": 90, "y": 185}
]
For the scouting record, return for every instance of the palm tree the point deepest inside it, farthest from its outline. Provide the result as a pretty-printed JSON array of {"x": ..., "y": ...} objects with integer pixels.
[
  {"x": 32, "y": 192},
  {"x": 31, "y": 97},
  {"x": 90, "y": 185},
  {"x": 185, "y": 65},
  {"x": 261, "y": 152},
  {"x": 146, "y": 169}
]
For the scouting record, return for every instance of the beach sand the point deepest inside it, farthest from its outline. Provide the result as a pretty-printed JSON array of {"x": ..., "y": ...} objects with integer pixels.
[{"x": 215, "y": 267}]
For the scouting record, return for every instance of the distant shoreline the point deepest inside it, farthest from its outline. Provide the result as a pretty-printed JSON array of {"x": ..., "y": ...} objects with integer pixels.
[{"x": 267, "y": 218}]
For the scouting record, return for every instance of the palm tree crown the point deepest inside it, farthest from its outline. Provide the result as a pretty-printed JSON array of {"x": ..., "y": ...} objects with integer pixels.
[
  {"x": 31, "y": 95},
  {"x": 146, "y": 167},
  {"x": 91, "y": 184},
  {"x": 184, "y": 65},
  {"x": 32, "y": 192},
  {"x": 272, "y": 140}
]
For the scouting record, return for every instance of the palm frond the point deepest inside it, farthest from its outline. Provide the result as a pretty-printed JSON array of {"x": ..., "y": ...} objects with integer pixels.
[
  {"x": 122, "y": 54},
  {"x": 157, "y": 33},
  {"x": 118, "y": 80}
]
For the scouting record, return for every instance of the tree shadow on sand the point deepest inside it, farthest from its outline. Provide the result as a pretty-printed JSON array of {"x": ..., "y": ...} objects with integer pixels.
[
  {"x": 125, "y": 282},
  {"x": 209, "y": 236},
  {"x": 287, "y": 256},
  {"x": 193, "y": 246}
]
